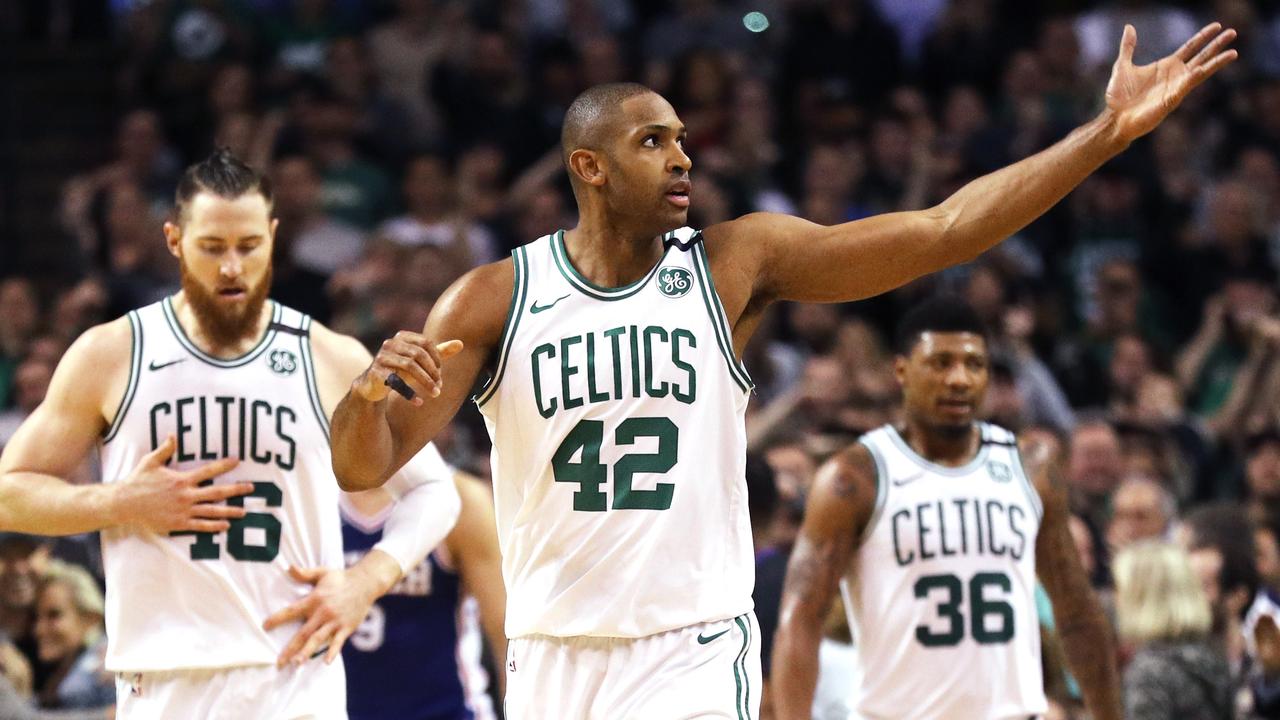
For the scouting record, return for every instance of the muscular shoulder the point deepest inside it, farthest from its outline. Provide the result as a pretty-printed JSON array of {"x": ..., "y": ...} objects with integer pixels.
[
  {"x": 100, "y": 353},
  {"x": 338, "y": 353},
  {"x": 1041, "y": 461},
  {"x": 850, "y": 472},
  {"x": 474, "y": 308}
]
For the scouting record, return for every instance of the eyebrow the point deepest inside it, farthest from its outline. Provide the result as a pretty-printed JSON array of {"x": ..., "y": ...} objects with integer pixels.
[
  {"x": 662, "y": 128},
  {"x": 215, "y": 238}
]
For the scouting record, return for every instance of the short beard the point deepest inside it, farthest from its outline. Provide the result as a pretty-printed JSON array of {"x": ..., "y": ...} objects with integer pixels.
[
  {"x": 950, "y": 432},
  {"x": 219, "y": 325}
]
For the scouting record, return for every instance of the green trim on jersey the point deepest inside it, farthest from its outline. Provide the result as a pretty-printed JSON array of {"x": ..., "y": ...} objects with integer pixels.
[
  {"x": 263, "y": 343},
  {"x": 135, "y": 375},
  {"x": 1027, "y": 485},
  {"x": 978, "y": 458},
  {"x": 724, "y": 335},
  {"x": 519, "y": 293},
  {"x": 742, "y": 679},
  {"x": 882, "y": 487},
  {"x": 309, "y": 369},
  {"x": 590, "y": 289}
]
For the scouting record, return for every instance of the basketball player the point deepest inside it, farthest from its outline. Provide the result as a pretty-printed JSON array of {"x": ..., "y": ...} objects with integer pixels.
[
  {"x": 941, "y": 524},
  {"x": 407, "y": 657},
  {"x": 216, "y": 394},
  {"x": 616, "y": 395}
]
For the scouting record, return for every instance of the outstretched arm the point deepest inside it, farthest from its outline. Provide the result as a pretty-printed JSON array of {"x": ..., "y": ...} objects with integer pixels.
[
  {"x": 787, "y": 258},
  {"x": 1082, "y": 626},
  {"x": 839, "y": 506},
  {"x": 374, "y": 430}
]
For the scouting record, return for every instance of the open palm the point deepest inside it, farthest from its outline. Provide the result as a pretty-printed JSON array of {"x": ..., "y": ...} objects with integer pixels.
[{"x": 1142, "y": 95}]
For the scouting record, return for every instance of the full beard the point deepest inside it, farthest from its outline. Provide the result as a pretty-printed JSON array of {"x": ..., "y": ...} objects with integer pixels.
[{"x": 222, "y": 325}]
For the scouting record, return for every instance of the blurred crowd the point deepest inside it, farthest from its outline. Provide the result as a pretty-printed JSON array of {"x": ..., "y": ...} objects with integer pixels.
[{"x": 1137, "y": 324}]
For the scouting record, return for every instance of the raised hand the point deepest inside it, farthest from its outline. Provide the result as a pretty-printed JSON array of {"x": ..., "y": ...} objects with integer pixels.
[
  {"x": 1142, "y": 95},
  {"x": 417, "y": 361},
  {"x": 162, "y": 500}
]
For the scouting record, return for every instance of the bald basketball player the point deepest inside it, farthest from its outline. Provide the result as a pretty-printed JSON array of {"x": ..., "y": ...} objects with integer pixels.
[{"x": 616, "y": 395}]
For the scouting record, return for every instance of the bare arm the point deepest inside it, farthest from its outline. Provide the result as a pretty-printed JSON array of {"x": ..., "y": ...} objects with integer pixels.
[
  {"x": 1082, "y": 626},
  {"x": 839, "y": 506},
  {"x": 54, "y": 440},
  {"x": 426, "y": 506},
  {"x": 474, "y": 546},
  {"x": 375, "y": 431},
  {"x": 786, "y": 258}
]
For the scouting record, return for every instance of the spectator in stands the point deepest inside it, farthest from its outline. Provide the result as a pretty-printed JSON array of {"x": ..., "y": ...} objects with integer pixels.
[
  {"x": 70, "y": 640},
  {"x": 23, "y": 561},
  {"x": 18, "y": 325},
  {"x": 1141, "y": 509},
  {"x": 1165, "y": 620},
  {"x": 1094, "y": 468}
]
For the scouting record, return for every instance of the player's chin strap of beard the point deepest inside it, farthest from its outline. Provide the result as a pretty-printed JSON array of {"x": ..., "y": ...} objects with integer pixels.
[{"x": 394, "y": 382}]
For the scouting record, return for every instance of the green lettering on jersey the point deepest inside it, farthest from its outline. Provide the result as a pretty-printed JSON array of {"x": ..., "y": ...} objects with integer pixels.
[
  {"x": 567, "y": 370},
  {"x": 688, "y": 391},
  {"x": 649, "y": 334},
  {"x": 545, "y": 410},
  {"x": 593, "y": 395}
]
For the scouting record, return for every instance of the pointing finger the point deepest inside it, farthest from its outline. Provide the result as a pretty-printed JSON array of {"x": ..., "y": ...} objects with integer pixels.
[{"x": 449, "y": 348}]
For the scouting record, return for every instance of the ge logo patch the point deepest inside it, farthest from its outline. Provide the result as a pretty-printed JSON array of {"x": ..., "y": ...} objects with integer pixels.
[
  {"x": 282, "y": 362},
  {"x": 674, "y": 282},
  {"x": 999, "y": 471}
]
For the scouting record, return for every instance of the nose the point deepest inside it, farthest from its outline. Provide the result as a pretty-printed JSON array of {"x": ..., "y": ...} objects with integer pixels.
[
  {"x": 958, "y": 376},
  {"x": 231, "y": 267},
  {"x": 679, "y": 159}
]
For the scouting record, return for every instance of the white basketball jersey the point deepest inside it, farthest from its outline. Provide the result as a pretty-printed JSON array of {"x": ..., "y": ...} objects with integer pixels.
[
  {"x": 198, "y": 600},
  {"x": 943, "y": 597},
  {"x": 619, "y": 449}
]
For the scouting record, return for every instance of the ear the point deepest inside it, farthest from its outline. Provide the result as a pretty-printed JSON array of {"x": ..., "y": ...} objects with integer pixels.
[
  {"x": 173, "y": 238},
  {"x": 588, "y": 166},
  {"x": 900, "y": 369}
]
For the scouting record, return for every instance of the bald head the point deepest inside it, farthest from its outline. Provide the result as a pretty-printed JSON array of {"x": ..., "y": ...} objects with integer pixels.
[{"x": 593, "y": 114}]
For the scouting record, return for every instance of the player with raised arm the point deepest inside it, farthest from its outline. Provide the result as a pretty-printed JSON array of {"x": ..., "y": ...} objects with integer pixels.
[
  {"x": 616, "y": 396},
  {"x": 941, "y": 526},
  {"x": 219, "y": 510}
]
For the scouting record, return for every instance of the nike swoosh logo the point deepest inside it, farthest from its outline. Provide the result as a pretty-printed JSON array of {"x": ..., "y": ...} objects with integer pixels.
[
  {"x": 154, "y": 366},
  {"x": 899, "y": 482},
  {"x": 703, "y": 640},
  {"x": 539, "y": 308}
]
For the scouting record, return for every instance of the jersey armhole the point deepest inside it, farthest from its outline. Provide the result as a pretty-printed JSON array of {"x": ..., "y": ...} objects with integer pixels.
[
  {"x": 882, "y": 489},
  {"x": 309, "y": 369},
  {"x": 719, "y": 320},
  {"x": 519, "y": 290},
  {"x": 135, "y": 371},
  {"x": 1032, "y": 495}
]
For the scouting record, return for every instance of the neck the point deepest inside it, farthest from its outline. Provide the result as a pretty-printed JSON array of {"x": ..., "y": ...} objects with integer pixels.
[
  {"x": 944, "y": 448},
  {"x": 191, "y": 326},
  {"x": 610, "y": 254}
]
